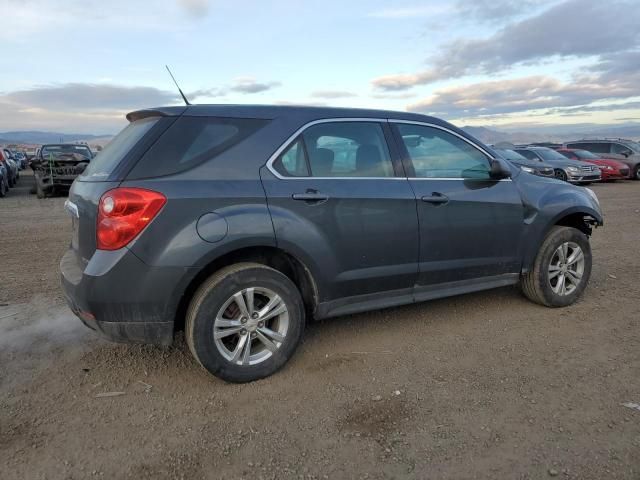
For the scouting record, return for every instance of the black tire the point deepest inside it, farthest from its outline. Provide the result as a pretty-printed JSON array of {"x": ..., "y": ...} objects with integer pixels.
[
  {"x": 536, "y": 283},
  {"x": 636, "y": 172},
  {"x": 3, "y": 188},
  {"x": 560, "y": 175},
  {"x": 212, "y": 296}
]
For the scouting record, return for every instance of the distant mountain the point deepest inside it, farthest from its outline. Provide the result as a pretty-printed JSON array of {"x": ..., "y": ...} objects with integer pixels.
[
  {"x": 35, "y": 137},
  {"x": 562, "y": 134}
]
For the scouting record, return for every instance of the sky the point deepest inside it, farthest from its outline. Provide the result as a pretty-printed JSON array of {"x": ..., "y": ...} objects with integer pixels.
[{"x": 78, "y": 66}]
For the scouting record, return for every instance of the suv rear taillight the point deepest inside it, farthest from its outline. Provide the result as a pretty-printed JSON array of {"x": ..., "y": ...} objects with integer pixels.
[{"x": 123, "y": 213}]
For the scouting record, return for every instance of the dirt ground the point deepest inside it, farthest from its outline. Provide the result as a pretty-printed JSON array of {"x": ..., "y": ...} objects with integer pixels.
[{"x": 486, "y": 385}]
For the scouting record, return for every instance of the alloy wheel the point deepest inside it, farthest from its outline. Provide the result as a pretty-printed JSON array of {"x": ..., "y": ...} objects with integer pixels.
[
  {"x": 566, "y": 268},
  {"x": 251, "y": 326}
]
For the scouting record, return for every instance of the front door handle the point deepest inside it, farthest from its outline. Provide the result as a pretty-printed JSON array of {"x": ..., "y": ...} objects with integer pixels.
[
  {"x": 436, "y": 198},
  {"x": 311, "y": 197}
]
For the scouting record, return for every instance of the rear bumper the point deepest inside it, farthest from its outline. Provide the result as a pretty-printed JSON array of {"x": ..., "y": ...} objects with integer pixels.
[{"x": 122, "y": 298}]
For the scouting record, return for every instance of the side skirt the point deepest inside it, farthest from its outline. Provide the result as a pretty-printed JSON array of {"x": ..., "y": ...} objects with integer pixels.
[{"x": 420, "y": 293}]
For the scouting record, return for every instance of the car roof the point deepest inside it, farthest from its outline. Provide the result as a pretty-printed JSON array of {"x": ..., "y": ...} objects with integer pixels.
[{"x": 270, "y": 112}]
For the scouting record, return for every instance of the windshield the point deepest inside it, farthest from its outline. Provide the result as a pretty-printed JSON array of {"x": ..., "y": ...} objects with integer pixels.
[
  {"x": 511, "y": 155},
  {"x": 66, "y": 152},
  {"x": 585, "y": 155},
  {"x": 548, "y": 154}
]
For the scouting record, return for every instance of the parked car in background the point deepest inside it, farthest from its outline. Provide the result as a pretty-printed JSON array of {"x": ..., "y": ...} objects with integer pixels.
[
  {"x": 4, "y": 181},
  {"x": 11, "y": 166},
  {"x": 564, "y": 169},
  {"x": 625, "y": 151},
  {"x": 530, "y": 166},
  {"x": 21, "y": 159},
  {"x": 243, "y": 222},
  {"x": 57, "y": 166},
  {"x": 609, "y": 169}
]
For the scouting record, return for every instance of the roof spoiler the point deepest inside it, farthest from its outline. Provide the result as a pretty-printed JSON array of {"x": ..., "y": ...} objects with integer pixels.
[{"x": 155, "y": 112}]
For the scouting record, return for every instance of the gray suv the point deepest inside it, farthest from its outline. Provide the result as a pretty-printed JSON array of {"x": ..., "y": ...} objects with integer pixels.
[
  {"x": 240, "y": 223},
  {"x": 625, "y": 151}
]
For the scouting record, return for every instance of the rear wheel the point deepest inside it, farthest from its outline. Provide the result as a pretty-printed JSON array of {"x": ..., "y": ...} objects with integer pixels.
[
  {"x": 561, "y": 175},
  {"x": 245, "y": 322},
  {"x": 561, "y": 269}
]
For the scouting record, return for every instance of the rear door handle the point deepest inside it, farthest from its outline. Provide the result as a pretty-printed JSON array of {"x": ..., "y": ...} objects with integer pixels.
[
  {"x": 436, "y": 198},
  {"x": 310, "y": 197}
]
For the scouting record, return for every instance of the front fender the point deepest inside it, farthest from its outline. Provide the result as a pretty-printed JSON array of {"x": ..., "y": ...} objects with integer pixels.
[{"x": 546, "y": 203}]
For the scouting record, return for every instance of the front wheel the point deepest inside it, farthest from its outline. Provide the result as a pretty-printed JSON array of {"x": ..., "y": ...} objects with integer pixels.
[
  {"x": 245, "y": 322},
  {"x": 561, "y": 175},
  {"x": 636, "y": 172},
  {"x": 561, "y": 269},
  {"x": 3, "y": 188}
]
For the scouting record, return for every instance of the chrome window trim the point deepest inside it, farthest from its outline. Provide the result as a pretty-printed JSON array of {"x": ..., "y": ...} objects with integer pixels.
[{"x": 295, "y": 135}]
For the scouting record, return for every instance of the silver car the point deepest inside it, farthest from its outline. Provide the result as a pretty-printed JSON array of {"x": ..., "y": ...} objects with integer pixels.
[{"x": 564, "y": 169}]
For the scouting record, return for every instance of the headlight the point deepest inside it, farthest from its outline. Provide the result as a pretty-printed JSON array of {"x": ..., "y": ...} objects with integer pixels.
[
  {"x": 572, "y": 169},
  {"x": 527, "y": 169},
  {"x": 593, "y": 195}
]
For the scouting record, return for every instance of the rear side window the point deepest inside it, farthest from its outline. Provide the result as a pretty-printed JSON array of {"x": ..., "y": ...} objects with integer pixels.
[
  {"x": 601, "y": 147},
  {"x": 106, "y": 161},
  {"x": 338, "y": 149},
  {"x": 191, "y": 141}
]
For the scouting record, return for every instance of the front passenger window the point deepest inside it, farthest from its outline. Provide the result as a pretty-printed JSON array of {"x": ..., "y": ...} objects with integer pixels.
[{"x": 436, "y": 153}]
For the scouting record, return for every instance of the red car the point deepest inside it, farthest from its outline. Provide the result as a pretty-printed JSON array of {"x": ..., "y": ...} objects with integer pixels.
[{"x": 609, "y": 169}]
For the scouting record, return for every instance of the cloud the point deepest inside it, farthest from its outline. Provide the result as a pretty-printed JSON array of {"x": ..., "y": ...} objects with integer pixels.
[
  {"x": 532, "y": 93},
  {"x": 333, "y": 94},
  {"x": 575, "y": 28},
  {"x": 495, "y": 10},
  {"x": 195, "y": 8},
  {"x": 78, "y": 107},
  {"x": 250, "y": 85},
  {"x": 86, "y": 96},
  {"x": 410, "y": 12}
]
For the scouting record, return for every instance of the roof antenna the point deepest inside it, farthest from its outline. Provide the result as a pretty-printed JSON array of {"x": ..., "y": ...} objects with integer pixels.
[{"x": 179, "y": 89}]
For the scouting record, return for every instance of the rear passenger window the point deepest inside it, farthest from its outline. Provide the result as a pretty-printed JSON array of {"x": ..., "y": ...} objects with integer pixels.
[
  {"x": 348, "y": 149},
  {"x": 602, "y": 147},
  {"x": 191, "y": 141}
]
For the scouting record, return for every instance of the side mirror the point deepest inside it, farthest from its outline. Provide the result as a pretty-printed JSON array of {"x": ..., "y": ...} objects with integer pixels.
[
  {"x": 499, "y": 170},
  {"x": 626, "y": 153}
]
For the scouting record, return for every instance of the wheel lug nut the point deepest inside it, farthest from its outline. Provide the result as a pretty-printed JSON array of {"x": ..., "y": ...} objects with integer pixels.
[
  {"x": 243, "y": 332},
  {"x": 243, "y": 320},
  {"x": 254, "y": 315}
]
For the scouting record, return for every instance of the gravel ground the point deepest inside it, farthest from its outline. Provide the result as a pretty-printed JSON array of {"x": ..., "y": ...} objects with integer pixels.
[{"x": 485, "y": 385}]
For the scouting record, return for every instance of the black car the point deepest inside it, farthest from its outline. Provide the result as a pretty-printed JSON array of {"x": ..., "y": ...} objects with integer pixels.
[
  {"x": 240, "y": 223},
  {"x": 530, "y": 166},
  {"x": 57, "y": 166}
]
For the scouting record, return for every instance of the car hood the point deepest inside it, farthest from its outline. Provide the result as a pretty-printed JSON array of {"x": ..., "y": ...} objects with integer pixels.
[{"x": 608, "y": 162}]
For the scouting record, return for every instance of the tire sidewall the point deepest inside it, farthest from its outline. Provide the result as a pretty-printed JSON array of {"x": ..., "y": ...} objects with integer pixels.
[
  {"x": 556, "y": 237},
  {"x": 211, "y": 300}
]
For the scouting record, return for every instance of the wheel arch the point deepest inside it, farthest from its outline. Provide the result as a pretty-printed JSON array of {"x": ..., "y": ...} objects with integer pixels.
[
  {"x": 271, "y": 256},
  {"x": 580, "y": 217}
]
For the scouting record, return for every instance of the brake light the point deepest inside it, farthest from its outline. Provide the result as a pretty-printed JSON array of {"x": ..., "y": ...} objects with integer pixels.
[{"x": 123, "y": 213}]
